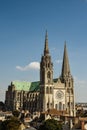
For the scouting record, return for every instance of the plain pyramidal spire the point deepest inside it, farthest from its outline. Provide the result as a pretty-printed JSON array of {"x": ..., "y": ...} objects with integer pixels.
[
  {"x": 65, "y": 64},
  {"x": 46, "y": 49}
]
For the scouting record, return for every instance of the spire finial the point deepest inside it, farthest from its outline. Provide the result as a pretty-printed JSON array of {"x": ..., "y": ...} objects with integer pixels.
[
  {"x": 46, "y": 37},
  {"x": 46, "y": 49},
  {"x": 65, "y": 44},
  {"x": 65, "y": 65},
  {"x": 46, "y": 33}
]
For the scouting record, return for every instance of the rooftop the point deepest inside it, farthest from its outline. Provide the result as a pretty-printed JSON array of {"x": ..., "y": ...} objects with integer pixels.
[{"x": 26, "y": 86}]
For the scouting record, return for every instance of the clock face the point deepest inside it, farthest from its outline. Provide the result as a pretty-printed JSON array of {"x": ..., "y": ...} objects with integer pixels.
[{"x": 59, "y": 94}]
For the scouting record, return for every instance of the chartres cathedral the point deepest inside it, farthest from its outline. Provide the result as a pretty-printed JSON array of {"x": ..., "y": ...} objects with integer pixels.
[{"x": 48, "y": 93}]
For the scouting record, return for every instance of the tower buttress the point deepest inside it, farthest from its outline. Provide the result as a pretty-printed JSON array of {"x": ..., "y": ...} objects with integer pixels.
[
  {"x": 46, "y": 78},
  {"x": 46, "y": 66},
  {"x": 67, "y": 79}
]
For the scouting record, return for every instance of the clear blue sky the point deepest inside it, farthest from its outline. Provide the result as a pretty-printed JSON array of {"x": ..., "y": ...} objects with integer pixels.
[{"x": 22, "y": 33}]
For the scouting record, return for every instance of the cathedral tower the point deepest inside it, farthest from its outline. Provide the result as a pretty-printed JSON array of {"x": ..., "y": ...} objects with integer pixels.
[
  {"x": 67, "y": 79},
  {"x": 46, "y": 79}
]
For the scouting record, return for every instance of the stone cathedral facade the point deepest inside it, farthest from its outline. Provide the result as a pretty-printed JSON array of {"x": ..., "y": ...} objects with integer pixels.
[{"x": 48, "y": 93}]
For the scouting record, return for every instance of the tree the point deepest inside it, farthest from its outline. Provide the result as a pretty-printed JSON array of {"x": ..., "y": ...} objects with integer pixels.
[
  {"x": 51, "y": 124},
  {"x": 12, "y": 124},
  {"x": 2, "y": 106},
  {"x": 16, "y": 113}
]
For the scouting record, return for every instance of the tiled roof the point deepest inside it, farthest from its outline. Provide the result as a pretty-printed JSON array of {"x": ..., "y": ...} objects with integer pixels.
[{"x": 55, "y": 112}]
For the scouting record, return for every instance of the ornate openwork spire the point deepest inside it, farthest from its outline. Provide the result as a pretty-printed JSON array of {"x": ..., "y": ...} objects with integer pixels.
[
  {"x": 65, "y": 65},
  {"x": 46, "y": 49}
]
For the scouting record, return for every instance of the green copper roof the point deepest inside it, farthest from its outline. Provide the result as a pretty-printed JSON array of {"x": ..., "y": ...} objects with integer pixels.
[
  {"x": 35, "y": 86},
  {"x": 26, "y": 86}
]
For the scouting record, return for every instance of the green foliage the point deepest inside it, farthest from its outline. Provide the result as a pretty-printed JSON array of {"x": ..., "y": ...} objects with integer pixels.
[
  {"x": 51, "y": 124},
  {"x": 12, "y": 124},
  {"x": 16, "y": 113}
]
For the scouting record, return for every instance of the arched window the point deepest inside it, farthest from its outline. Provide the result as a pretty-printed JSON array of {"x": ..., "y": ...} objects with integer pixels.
[
  {"x": 47, "y": 90},
  {"x": 47, "y": 105},
  {"x": 55, "y": 106},
  {"x": 63, "y": 106},
  {"x": 71, "y": 104},
  {"x": 60, "y": 105},
  {"x": 72, "y": 91},
  {"x": 51, "y": 90},
  {"x": 67, "y": 90},
  {"x": 69, "y": 84},
  {"x": 65, "y": 84},
  {"x": 51, "y": 105},
  {"x": 68, "y": 103},
  {"x": 48, "y": 75}
]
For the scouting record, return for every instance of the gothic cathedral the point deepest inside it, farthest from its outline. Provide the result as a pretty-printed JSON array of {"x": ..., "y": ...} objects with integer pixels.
[
  {"x": 48, "y": 93},
  {"x": 57, "y": 93}
]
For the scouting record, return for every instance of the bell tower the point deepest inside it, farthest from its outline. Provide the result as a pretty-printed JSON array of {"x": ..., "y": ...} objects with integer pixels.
[
  {"x": 46, "y": 78},
  {"x": 67, "y": 79}
]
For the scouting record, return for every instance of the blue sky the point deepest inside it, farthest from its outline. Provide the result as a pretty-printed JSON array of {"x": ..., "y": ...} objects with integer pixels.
[{"x": 23, "y": 24}]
